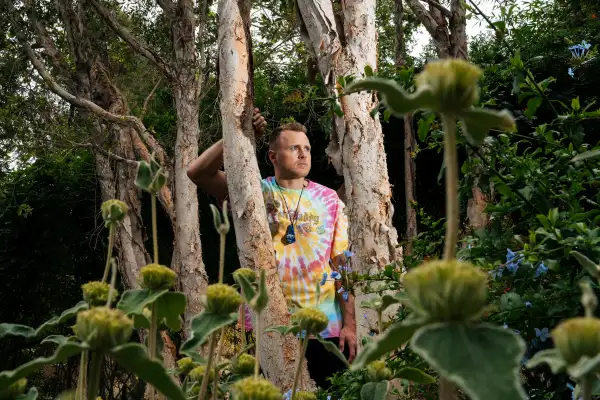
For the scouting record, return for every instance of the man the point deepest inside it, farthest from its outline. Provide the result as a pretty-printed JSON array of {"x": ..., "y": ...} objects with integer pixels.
[{"x": 309, "y": 231}]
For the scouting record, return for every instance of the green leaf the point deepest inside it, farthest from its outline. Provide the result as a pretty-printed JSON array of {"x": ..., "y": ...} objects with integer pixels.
[
  {"x": 283, "y": 329},
  {"x": 341, "y": 80},
  {"x": 169, "y": 307},
  {"x": 588, "y": 154},
  {"x": 387, "y": 300},
  {"x": 135, "y": 300},
  {"x": 143, "y": 179},
  {"x": 337, "y": 109},
  {"x": 414, "y": 375},
  {"x": 247, "y": 288},
  {"x": 262, "y": 297},
  {"x": 587, "y": 264},
  {"x": 202, "y": 326},
  {"x": 368, "y": 71},
  {"x": 134, "y": 358},
  {"x": 549, "y": 356},
  {"x": 58, "y": 339},
  {"x": 469, "y": 354},
  {"x": 584, "y": 366},
  {"x": 478, "y": 121},
  {"x": 374, "y": 390},
  {"x": 332, "y": 348},
  {"x": 31, "y": 395},
  {"x": 395, "y": 98},
  {"x": 575, "y": 104},
  {"x": 501, "y": 25},
  {"x": 28, "y": 332},
  {"x": 62, "y": 352},
  {"x": 423, "y": 126},
  {"x": 532, "y": 105},
  {"x": 386, "y": 115},
  {"x": 394, "y": 337}
]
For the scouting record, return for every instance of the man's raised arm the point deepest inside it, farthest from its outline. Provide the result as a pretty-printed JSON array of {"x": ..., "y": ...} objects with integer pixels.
[{"x": 205, "y": 171}]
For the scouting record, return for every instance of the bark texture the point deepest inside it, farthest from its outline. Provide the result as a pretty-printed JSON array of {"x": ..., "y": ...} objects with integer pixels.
[
  {"x": 343, "y": 44},
  {"x": 255, "y": 246}
]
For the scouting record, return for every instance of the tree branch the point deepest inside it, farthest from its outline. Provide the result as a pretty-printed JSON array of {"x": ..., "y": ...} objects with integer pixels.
[
  {"x": 447, "y": 13},
  {"x": 136, "y": 43},
  {"x": 145, "y": 108},
  {"x": 167, "y": 6},
  {"x": 423, "y": 16},
  {"x": 107, "y": 153}
]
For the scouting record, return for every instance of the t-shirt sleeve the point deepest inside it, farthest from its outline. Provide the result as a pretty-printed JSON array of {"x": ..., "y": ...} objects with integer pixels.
[{"x": 340, "y": 234}]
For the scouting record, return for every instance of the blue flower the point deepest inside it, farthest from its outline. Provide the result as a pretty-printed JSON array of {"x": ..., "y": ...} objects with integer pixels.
[
  {"x": 328, "y": 397},
  {"x": 511, "y": 264},
  {"x": 572, "y": 391},
  {"x": 348, "y": 253},
  {"x": 336, "y": 275},
  {"x": 571, "y": 72},
  {"x": 505, "y": 326},
  {"x": 585, "y": 45},
  {"x": 528, "y": 304},
  {"x": 345, "y": 296},
  {"x": 541, "y": 269},
  {"x": 543, "y": 334},
  {"x": 288, "y": 395},
  {"x": 324, "y": 278},
  {"x": 496, "y": 273}
]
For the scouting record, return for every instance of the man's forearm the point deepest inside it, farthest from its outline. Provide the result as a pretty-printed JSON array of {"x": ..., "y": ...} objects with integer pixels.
[
  {"x": 348, "y": 312},
  {"x": 207, "y": 164}
]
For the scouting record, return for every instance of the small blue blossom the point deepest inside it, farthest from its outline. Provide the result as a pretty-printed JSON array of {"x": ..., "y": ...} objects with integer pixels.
[
  {"x": 585, "y": 45},
  {"x": 328, "y": 397},
  {"x": 517, "y": 332},
  {"x": 572, "y": 391},
  {"x": 513, "y": 260},
  {"x": 348, "y": 253},
  {"x": 336, "y": 275},
  {"x": 571, "y": 72},
  {"x": 496, "y": 273},
  {"x": 345, "y": 296},
  {"x": 345, "y": 268},
  {"x": 341, "y": 290},
  {"x": 324, "y": 278},
  {"x": 528, "y": 304},
  {"x": 541, "y": 269},
  {"x": 543, "y": 334},
  {"x": 505, "y": 326}
]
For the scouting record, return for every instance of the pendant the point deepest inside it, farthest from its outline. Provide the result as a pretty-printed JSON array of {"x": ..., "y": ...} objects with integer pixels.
[{"x": 290, "y": 235}]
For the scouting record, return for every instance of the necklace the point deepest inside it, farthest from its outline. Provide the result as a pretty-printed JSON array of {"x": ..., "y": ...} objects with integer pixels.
[{"x": 290, "y": 233}]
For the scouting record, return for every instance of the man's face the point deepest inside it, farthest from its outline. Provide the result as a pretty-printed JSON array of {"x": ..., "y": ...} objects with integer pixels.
[{"x": 291, "y": 155}]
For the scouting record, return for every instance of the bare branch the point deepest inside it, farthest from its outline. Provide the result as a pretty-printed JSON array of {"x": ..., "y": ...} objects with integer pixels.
[
  {"x": 136, "y": 43},
  {"x": 423, "y": 16},
  {"x": 145, "y": 108},
  {"x": 107, "y": 153},
  {"x": 168, "y": 7},
  {"x": 447, "y": 13}
]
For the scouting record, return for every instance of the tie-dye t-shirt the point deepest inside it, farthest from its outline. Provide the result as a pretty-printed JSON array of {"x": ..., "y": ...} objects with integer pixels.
[{"x": 321, "y": 230}]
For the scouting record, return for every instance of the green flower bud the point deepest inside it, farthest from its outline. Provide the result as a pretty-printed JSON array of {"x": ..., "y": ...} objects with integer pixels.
[
  {"x": 222, "y": 299},
  {"x": 377, "y": 371},
  {"x": 197, "y": 374},
  {"x": 305, "y": 396},
  {"x": 113, "y": 212},
  {"x": 245, "y": 364},
  {"x": 67, "y": 395},
  {"x": 247, "y": 273},
  {"x": 577, "y": 337},
  {"x": 103, "y": 328},
  {"x": 185, "y": 365},
  {"x": 311, "y": 320},
  {"x": 255, "y": 389},
  {"x": 14, "y": 390},
  {"x": 96, "y": 293},
  {"x": 453, "y": 84},
  {"x": 446, "y": 291},
  {"x": 157, "y": 277}
]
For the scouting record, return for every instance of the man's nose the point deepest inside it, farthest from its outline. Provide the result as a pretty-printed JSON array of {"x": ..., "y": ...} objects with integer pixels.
[{"x": 302, "y": 154}]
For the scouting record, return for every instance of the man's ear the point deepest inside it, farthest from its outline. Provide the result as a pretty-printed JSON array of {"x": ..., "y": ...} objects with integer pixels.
[{"x": 272, "y": 156}]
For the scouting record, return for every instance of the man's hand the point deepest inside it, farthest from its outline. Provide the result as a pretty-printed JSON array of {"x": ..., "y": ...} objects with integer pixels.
[
  {"x": 259, "y": 122},
  {"x": 348, "y": 339}
]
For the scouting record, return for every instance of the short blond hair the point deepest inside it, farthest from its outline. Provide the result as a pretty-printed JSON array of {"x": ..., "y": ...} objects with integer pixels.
[{"x": 290, "y": 126}]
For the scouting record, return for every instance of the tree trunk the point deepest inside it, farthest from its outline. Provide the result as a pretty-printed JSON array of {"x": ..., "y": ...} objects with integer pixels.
[
  {"x": 356, "y": 148},
  {"x": 255, "y": 246},
  {"x": 186, "y": 90},
  {"x": 410, "y": 168}
]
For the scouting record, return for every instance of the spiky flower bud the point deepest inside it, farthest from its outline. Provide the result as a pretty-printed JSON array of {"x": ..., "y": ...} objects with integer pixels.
[
  {"x": 103, "y": 328},
  {"x": 255, "y": 389},
  {"x": 185, "y": 365},
  {"x": 577, "y": 337},
  {"x": 305, "y": 396},
  {"x": 197, "y": 374},
  {"x": 247, "y": 273},
  {"x": 245, "y": 364},
  {"x": 157, "y": 277},
  {"x": 96, "y": 293},
  {"x": 222, "y": 299},
  {"x": 453, "y": 84},
  {"x": 311, "y": 320},
  {"x": 15, "y": 390},
  {"x": 113, "y": 212},
  {"x": 446, "y": 290},
  {"x": 377, "y": 371}
]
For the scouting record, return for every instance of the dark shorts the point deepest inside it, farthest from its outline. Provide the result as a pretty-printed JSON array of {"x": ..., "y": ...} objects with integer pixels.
[{"x": 323, "y": 364}]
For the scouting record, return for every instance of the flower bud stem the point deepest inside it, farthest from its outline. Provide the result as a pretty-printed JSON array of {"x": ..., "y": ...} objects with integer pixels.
[
  {"x": 302, "y": 347},
  {"x": 222, "y": 258},
  {"x": 81, "y": 380},
  {"x": 94, "y": 379},
  {"x": 154, "y": 228},
  {"x": 447, "y": 388},
  {"x": 452, "y": 211},
  {"x": 243, "y": 321},
  {"x": 257, "y": 348},
  {"x": 379, "y": 321},
  {"x": 217, "y": 360},
  {"x": 586, "y": 387},
  {"x": 152, "y": 339},
  {"x": 111, "y": 240},
  {"x": 113, "y": 282},
  {"x": 211, "y": 351}
]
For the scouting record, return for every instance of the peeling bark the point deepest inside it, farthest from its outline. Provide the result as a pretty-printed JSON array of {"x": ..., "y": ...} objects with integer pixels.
[{"x": 255, "y": 246}]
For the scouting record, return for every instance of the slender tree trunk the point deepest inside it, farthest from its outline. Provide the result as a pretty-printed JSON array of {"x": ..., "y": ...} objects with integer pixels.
[
  {"x": 255, "y": 246},
  {"x": 410, "y": 169},
  {"x": 186, "y": 90},
  {"x": 343, "y": 45}
]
